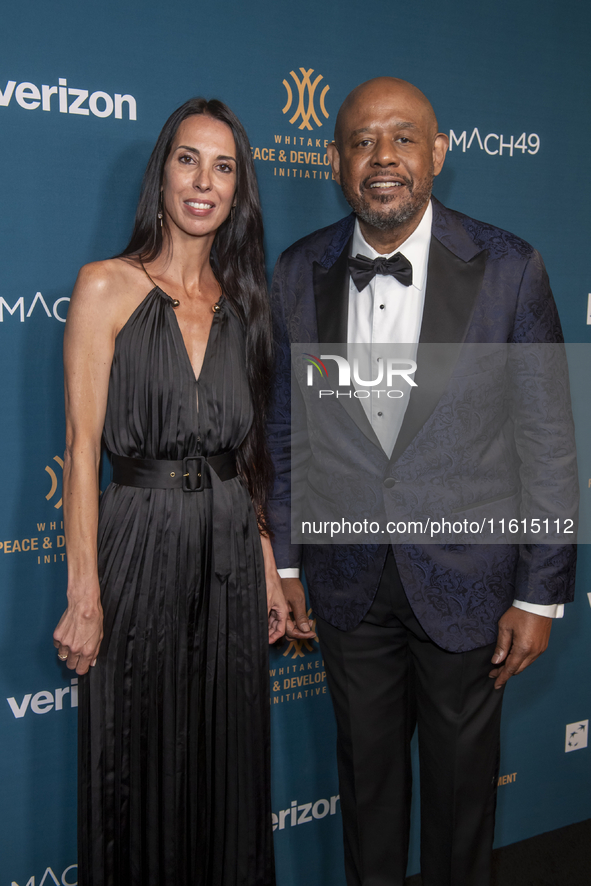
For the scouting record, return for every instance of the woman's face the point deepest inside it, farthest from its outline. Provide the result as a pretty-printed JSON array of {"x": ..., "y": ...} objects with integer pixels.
[{"x": 199, "y": 181}]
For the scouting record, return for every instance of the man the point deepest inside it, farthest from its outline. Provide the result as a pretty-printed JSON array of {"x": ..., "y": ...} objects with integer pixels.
[{"x": 409, "y": 631}]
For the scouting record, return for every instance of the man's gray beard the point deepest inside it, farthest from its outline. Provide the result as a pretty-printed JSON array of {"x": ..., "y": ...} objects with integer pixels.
[{"x": 384, "y": 221}]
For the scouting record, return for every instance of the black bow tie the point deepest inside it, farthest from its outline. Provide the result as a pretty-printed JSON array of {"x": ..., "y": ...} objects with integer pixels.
[{"x": 363, "y": 269}]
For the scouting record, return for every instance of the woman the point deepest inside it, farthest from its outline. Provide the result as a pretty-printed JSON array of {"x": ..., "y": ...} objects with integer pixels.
[{"x": 167, "y": 357}]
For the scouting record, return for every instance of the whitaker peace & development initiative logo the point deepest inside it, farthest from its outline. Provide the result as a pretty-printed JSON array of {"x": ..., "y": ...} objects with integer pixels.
[
  {"x": 305, "y": 106},
  {"x": 301, "y": 156},
  {"x": 54, "y": 480},
  {"x": 45, "y": 540}
]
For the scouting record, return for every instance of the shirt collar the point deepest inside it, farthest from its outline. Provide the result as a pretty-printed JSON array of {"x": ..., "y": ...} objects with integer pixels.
[{"x": 415, "y": 248}]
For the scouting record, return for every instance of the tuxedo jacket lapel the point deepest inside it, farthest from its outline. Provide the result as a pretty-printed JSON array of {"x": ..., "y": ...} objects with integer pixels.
[
  {"x": 453, "y": 285},
  {"x": 331, "y": 295}
]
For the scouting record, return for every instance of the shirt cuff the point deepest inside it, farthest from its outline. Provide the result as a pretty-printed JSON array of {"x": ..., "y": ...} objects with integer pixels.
[
  {"x": 553, "y": 610},
  {"x": 289, "y": 572}
]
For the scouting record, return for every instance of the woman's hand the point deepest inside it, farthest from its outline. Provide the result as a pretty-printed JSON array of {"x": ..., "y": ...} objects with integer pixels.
[
  {"x": 78, "y": 635},
  {"x": 276, "y": 605}
]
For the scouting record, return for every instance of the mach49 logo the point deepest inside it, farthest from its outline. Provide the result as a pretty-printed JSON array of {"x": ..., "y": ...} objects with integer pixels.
[
  {"x": 57, "y": 310},
  {"x": 69, "y": 877},
  {"x": 494, "y": 144}
]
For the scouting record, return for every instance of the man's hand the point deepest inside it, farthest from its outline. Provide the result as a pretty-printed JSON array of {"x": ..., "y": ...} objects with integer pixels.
[
  {"x": 522, "y": 637},
  {"x": 298, "y": 626},
  {"x": 276, "y": 607}
]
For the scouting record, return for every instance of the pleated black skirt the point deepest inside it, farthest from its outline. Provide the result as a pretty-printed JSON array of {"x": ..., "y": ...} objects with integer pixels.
[{"x": 174, "y": 786}]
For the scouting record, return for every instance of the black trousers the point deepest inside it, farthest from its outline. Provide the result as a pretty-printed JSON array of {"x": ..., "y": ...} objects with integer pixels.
[{"x": 386, "y": 677}]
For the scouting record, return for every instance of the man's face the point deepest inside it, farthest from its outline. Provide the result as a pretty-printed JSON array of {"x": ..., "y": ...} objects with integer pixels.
[{"x": 388, "y": 153}]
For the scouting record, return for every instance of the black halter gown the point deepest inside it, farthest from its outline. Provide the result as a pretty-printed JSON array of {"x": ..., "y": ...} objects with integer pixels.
[{"x": 174, "y": 718}]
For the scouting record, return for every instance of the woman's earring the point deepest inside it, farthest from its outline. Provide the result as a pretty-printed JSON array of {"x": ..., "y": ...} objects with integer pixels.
[{"x": 160, "y": 213}]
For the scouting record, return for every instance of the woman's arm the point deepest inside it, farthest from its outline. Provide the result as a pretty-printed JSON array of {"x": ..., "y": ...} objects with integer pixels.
[
  {"x": 88, "y": 352},
  {"x": 276, "y": 605}
]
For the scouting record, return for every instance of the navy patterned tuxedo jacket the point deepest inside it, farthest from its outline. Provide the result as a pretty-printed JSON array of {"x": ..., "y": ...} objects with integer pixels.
[{"x": 484, "y": 285}]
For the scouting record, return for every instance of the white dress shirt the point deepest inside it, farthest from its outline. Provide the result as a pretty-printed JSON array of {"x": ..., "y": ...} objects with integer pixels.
[{"x": 388, "y": 311}]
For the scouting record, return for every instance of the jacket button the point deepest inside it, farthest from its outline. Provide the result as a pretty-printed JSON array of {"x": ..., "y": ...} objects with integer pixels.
[{"x": 389, "y": 482}]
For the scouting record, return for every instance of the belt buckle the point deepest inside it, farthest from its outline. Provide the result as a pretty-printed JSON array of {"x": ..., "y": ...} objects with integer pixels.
[{"x": 196, "y": 474}]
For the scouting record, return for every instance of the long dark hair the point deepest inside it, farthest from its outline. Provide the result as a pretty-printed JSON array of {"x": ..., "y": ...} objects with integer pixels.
[{"x": 238, "y": 262}]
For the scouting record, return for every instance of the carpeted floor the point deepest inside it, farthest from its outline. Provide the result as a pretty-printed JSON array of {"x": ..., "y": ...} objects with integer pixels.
[{"x": 557, "y": 858}]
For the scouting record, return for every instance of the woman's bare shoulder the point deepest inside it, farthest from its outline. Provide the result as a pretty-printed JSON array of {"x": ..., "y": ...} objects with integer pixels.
[
  {"x": 110, "y": 289},
  {"x": 111, "y": 277}
]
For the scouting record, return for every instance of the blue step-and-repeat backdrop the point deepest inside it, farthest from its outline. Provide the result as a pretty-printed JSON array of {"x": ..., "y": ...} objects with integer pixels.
[{"x": 84, "y": 90}]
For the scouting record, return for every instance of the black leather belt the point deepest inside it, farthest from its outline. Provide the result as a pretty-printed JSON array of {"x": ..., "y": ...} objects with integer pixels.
[{"x": 191, "y": 474}]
